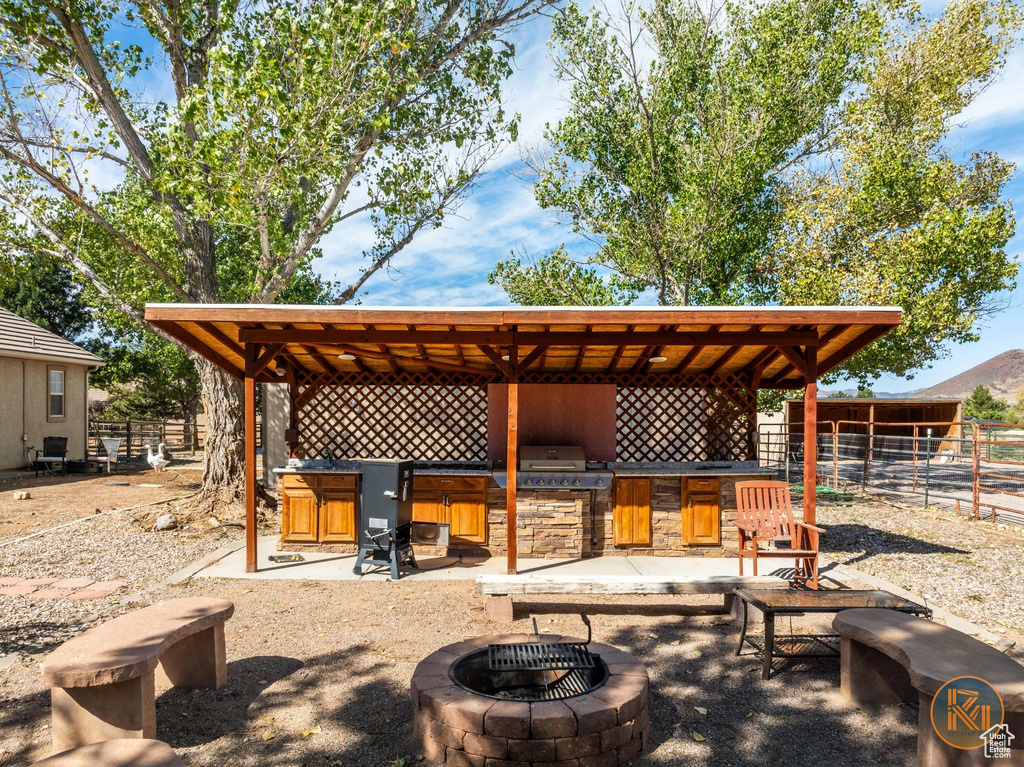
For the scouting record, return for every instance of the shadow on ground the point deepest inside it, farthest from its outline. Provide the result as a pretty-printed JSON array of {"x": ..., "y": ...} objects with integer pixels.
[{"x": 861, "y": 542}]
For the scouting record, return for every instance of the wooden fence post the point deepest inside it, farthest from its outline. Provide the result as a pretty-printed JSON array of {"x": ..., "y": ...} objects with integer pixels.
[{"x": 128, "y": 438}]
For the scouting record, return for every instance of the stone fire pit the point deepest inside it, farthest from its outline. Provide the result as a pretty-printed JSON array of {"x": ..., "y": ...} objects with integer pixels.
[{"x": 459, "y": 721}]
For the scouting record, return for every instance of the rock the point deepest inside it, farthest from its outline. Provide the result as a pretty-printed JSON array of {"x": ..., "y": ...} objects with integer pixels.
[
  {"x": 22, "y": 495},
  {"x": 166, "y": 522}
]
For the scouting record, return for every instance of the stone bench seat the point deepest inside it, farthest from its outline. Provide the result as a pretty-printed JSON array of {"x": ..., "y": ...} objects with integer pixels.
[
  {"x": 499, "y": 589},
  {"x": 116, "y": 753},
  {"x": 103, "y": 680},
  {"x": 893, "y": 657}
]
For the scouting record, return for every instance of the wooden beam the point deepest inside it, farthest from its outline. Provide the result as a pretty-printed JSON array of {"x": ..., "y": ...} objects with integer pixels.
[
  {"x": 440, "y": 365},
  {"x": 826, "y": 338},
  {"x": 249, "y": 396},
  {"x": 505, "y": 338},
  {"x": 267, "y": 357},
  {"x": 224, "y": 338},
  {"x": 511, "y": 460},
  {"x": 810, "y": 436},
  {"x": 869, "y": 336},
  {"x": 530, "y": 358},
  {"x": 690, "y": 357},
  {"x": 218, "y": 359},
  {"x": 796, "y": 358},
  {"x": 495, "y": 357}
]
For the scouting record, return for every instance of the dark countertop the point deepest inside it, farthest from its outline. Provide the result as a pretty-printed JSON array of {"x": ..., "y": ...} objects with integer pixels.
[
  {"x": 440, "y": 468},
  {"x": 689, "y": 469},
  {"x": 486, "y": 469}
]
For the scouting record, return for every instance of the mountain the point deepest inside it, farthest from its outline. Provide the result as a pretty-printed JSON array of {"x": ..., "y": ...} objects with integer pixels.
[{"x": 1003, "y": 375}]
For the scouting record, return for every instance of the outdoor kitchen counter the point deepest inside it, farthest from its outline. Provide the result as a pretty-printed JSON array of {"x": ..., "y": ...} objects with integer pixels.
[
  {"x": 689, "y": 469},
  {"x": 356, "y": 467}
]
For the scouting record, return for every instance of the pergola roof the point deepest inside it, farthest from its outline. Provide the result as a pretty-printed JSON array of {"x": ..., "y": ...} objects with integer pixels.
[{"x": 580, "y": 340}]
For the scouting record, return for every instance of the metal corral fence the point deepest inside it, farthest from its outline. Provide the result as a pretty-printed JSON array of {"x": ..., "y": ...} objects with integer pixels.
[
  {"x": 177, "y": 436},
  {"x": 978, "y": 469}
]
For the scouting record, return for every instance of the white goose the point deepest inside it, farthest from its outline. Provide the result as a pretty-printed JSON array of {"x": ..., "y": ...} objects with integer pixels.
[{"x": 158, "y": 462}]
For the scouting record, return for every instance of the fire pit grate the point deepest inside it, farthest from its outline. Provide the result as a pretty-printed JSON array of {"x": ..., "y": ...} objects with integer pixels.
[
  {"x": 542, "y": 656},
  {"x": 539, "y": 656}
]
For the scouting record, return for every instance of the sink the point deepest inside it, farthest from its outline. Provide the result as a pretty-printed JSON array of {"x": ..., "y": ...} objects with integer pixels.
[{"x": 710, "y": 466}]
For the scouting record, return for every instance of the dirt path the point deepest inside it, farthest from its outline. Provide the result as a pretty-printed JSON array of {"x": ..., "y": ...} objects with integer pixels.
[{"x": 58, "y": 498}]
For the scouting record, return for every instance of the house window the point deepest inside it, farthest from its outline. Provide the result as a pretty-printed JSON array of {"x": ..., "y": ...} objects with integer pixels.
[{"x": 56, "y": 398}]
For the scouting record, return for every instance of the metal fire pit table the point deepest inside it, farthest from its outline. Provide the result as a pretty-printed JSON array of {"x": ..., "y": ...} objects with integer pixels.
[{"x": 800, "y": 602}]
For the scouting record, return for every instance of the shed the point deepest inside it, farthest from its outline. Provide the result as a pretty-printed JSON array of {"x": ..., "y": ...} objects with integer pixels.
[{"x": 44, "y": 384}]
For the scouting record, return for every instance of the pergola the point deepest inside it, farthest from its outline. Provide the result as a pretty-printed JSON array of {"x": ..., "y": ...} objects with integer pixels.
[{"x": 731, "y": 352}]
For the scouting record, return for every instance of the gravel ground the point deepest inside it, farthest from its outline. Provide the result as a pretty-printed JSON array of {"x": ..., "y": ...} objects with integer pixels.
[
  {"x": 333, "y": 659},
  {"x": 338, "y": 656},
  {"x": 109, "y": 547},
  {"x": 972, "y": 569}
]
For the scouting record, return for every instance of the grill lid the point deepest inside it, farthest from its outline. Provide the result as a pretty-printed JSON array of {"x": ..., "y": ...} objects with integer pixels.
[{"x": 557, "y": 458}]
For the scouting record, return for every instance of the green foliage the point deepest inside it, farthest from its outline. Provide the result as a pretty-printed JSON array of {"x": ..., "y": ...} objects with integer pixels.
[
  {"x": 865, "y": 392},
  {"x": 1016, "y": 412},
  {"x": 671, "y": 168},
  {"x": 789, "y": 153},
  {"x": 43, "y": 290},
  {"x": 982, "y": 405}
]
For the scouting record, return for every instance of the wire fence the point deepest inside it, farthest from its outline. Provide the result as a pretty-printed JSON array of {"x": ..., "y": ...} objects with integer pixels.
[{"x": 977, "y": 469}]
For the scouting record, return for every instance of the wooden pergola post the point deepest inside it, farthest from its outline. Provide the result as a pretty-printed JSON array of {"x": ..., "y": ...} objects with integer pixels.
[
  {"x": 251, "y": 352},
  {"x": 810, "y": 434},
  {"x": 511, "y": 459}
]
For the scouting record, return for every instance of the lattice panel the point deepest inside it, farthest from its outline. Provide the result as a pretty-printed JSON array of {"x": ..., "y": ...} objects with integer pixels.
[
  {"x": 432, "y": 420},
  {"x": 711, "y": 419}
]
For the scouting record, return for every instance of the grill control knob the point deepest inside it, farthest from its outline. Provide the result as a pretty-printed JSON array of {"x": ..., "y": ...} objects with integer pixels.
[
  {"x": 552, "y": 481},
  {"x": 599, "y": 482},
  {"x": 565, "y": 482},
  {"x": 577, "y": 481},
  {"x": 529, "y": 481}
]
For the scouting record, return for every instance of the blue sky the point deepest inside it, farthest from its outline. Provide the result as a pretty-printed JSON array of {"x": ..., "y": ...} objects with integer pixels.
[{"x": 449, "y": 266}]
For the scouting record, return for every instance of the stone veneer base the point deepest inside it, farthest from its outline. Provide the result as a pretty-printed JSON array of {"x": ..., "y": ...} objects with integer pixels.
[{"x": 603, "y": 728}]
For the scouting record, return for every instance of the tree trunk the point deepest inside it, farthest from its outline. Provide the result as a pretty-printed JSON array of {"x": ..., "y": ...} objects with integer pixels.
[
  {"x": 223, "y": 491},
  {"x": 224, "y": 462}
]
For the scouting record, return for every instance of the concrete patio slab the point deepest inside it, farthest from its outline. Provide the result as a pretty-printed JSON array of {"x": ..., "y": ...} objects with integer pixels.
[{"x": 338, "y": 567}]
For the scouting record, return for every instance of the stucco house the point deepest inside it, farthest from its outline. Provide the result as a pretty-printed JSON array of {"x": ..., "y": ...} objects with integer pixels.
[{"x": 44, "y": 384}]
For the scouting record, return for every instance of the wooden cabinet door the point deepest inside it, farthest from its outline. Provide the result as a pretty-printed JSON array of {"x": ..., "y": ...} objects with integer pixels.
[
  {"x": 299, "y": 516},
  {"x": 338, "y": 516},
  {"x": 631, "y": 512},
  {"x": 703, "y": 519},
  {"x": 467, "y": 515},
  {"x": 428, "y": 506}
]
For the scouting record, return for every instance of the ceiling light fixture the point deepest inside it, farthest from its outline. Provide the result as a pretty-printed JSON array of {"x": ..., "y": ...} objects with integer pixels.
[
  {"x": 346, "y": 356},
  {"x": 504, "y": 357},
  {"x": 658, "y": 359}
]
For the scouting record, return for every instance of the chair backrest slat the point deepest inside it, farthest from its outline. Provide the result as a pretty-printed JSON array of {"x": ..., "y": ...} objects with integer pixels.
[{"x": 765, "y": 506}]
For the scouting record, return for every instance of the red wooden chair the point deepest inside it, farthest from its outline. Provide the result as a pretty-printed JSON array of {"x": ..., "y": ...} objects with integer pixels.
[{"x": 765, "y": 517}]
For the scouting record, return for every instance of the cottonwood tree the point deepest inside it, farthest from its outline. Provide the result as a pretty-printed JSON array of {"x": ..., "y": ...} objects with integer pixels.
[
  {"x": 790, "y": 153},
  {"x": 137, "y": 138}
]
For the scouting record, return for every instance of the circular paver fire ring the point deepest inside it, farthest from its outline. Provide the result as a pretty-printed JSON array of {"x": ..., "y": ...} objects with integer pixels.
[{"x": 605, "y": 727}]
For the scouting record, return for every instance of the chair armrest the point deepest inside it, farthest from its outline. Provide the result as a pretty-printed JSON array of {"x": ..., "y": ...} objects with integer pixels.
[{"x": 810, "y": 527}]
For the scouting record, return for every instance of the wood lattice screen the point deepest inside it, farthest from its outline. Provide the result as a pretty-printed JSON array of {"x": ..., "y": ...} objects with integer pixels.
[
  {"x": 437, "y": 418},
  {"x": 443, "y": 416},
  {"x": 710, "y": 419}
]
